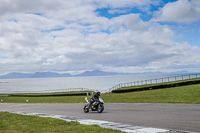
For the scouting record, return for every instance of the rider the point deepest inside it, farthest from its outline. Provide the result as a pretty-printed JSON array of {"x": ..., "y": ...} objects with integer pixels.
[{"x": 94, "y": 98}]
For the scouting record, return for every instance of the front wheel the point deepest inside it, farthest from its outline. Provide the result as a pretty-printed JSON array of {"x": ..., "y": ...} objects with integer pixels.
[
  {"x": 100, "y": 108},
  {"x": 86, "y": 109}
]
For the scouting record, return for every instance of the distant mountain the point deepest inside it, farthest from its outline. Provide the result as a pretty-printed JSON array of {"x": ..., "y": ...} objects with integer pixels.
[
  {"x": 53, "y": 74},
  {"x": 15, "y": 75},
  {"x": 49, "y": 74},
  {"x": 98, "y": 73},
  {"x": 34, "y": 75}
]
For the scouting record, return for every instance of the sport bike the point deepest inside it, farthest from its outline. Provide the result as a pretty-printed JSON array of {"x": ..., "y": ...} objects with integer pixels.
[{"x": 96, "y": 106}]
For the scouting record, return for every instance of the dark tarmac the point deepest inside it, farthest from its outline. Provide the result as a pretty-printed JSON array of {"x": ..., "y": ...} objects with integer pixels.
[{"x": 185, "y": 117}]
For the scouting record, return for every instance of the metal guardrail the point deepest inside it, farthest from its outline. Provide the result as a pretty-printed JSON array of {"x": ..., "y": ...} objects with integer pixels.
[
  {"x": 155, "y": 81},
  {"x": 4, "y": 95},
  {"x": 49, "y": 91}
]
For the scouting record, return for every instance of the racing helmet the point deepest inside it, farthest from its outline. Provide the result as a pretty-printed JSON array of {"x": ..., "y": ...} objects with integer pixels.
[{"x": 98, "y": 93}]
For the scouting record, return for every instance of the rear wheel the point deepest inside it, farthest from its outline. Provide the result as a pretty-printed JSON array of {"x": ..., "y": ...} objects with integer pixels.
[{"x": 86, "y": 109}]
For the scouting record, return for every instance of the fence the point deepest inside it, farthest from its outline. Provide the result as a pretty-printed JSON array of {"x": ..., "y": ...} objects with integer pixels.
[
  {"x": 48, "y": 91},
  {"x": 156, "y": 81}
]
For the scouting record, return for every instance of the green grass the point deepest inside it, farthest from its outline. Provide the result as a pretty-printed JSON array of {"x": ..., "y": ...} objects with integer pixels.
[
  {"x": 15, "y": 123},
  {"x": 49, "y": 99},
  {"x": 56, "y": 99},
  {"x": 182, "y": 94}
]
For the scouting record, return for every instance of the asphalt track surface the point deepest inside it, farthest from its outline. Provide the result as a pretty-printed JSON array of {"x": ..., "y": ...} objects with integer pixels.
[{"x": 185, "y": 117}]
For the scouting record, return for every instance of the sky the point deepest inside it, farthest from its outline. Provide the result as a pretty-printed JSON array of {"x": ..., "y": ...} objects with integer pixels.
[{"x": 128, "y": 36}]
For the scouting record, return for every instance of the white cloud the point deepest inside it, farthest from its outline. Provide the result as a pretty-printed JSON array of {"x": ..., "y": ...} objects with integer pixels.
[
  {"x": 181, "y": 11},
  {"x": 86, "y": 40},
  {"x": 57, "y": 60}
]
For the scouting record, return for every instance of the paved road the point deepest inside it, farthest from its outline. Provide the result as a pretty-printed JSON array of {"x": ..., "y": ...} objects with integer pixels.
[{"x": 168, "y": 116}]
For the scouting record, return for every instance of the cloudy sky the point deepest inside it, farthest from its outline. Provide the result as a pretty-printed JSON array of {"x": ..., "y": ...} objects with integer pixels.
[{"x": 110, "y": 35}]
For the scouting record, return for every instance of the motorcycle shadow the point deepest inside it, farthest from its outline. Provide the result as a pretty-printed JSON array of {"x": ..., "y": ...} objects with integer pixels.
[{"x": 94, "y": 112}]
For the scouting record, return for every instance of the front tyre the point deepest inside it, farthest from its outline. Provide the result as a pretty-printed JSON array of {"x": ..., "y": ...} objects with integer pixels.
[
  {"x": 100, "y": 108},
  {"x": 86, "y": 109}
]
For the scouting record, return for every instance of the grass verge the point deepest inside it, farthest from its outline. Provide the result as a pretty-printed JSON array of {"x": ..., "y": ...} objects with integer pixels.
[
  {"x": 15, "y": 123},
  {"x": 183, "y": 94}
]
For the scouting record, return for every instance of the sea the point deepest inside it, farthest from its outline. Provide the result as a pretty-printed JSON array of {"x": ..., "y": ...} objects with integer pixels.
[{"x": 63, "y": 84}]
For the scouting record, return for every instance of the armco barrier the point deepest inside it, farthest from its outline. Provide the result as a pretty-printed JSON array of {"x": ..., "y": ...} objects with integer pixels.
[
  {"x": 157, "y": 87},
  {"x": 46, "y": 91},
  {"x": 50, "y": 95},
  {"x": 156, "y": 81},
  {"x": 4, "y": 95}
]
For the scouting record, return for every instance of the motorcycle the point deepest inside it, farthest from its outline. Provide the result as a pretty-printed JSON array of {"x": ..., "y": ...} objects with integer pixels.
[{"x": 96, "y": 106}]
